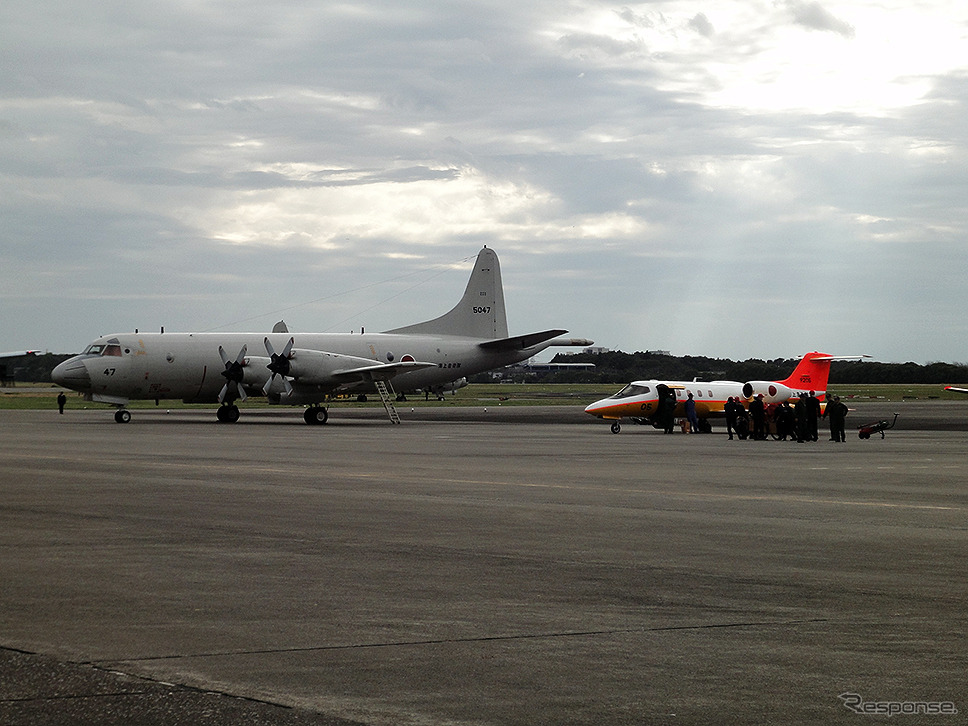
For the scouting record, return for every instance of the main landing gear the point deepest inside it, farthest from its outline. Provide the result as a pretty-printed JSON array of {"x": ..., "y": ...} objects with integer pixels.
[
  {"x": 122, "y": 415},
  {"x": 316, "y": 415},
  {"x": 228, "y": 413}
]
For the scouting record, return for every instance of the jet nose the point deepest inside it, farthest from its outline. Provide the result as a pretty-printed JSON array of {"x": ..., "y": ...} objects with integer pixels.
[{"x": 73, "y": 374}]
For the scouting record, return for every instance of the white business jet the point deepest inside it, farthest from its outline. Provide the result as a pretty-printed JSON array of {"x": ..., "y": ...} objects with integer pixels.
[{"x": 643, "y": 400}]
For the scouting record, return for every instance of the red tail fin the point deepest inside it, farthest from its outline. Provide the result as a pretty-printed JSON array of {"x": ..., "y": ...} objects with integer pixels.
[{"x": 810, "y": 374}]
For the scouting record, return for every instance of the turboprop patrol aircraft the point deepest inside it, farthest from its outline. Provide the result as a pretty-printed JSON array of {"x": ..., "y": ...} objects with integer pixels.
[
  {"x": 307, "y": 369},
  {"x": 640, "y": 400}
]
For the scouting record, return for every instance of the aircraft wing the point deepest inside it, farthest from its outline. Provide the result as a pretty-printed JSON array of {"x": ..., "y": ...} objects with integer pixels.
[
  {"x": 956, "y": 389},
  {"x": 378, "y": 371},
  {"x": 520, "y": 342},
  {"x": 18, "y": 353}
]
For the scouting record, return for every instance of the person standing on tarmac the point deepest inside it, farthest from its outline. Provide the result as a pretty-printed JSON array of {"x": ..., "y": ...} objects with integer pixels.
[
  {"x": 758, "y": 414},
  {"x": 691, "y": 417},
  {"x": 837, "y": 412},
  {"x": 785, "y": 421},
  {"x": 730, "y": 410},
  {"x": 668, "y": 410},
  {"x": 800, "y": 411},
  {"x": 813, "y": 416}
]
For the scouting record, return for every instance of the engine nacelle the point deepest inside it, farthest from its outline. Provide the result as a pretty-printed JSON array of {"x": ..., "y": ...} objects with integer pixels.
[
  {"x": 772, "y": 391},
  {"x": 316, "y": 367},
  {"x": 254, "y": 371}
]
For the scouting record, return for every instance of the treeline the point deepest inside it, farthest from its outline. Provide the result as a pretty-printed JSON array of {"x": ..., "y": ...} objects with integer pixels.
[
  {"x": 619, "y": 367},
  {"x": 30, "y": 368}
]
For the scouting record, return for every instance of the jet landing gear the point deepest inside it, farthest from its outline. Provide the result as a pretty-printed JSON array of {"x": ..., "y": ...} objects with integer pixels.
[
  {"x": 316, "y": 415},
  {"x": 228, "y": 413},
  {"x": 122, "y": 415},
  {"x": 616, "y": 427}
]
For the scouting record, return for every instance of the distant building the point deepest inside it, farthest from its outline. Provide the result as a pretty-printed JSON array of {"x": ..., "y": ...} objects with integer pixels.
[{"x": 550, "y": 367}]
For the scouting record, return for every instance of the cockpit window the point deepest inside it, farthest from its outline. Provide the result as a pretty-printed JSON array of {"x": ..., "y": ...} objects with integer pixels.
[
  {"x": 632, "y": 390},
  {"x": 112, "y": 348}
]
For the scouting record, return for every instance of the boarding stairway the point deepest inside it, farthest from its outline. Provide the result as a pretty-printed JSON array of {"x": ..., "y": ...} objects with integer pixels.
[{"x": 383, "y": 388}]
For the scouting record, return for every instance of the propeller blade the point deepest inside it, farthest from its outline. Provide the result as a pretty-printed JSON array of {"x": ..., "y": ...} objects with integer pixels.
[
  {"x": 233, "y": 373},
  {"x": 278, "y": 364}
]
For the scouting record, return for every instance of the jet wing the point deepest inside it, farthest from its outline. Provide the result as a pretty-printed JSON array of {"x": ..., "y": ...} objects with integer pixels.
[
  {"x": 520, "y": 342},
  {"x": 956, "y": 389}
]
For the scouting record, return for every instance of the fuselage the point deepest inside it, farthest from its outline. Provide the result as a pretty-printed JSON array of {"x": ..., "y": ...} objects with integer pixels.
[{"x": 187, "y": 366}]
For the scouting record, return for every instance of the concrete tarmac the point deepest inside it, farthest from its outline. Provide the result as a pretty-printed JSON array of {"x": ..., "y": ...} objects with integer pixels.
[{"x": 514, "y": 566}]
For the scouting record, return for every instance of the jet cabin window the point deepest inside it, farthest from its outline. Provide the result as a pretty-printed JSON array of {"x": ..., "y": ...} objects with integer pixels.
[{"x": 632, "y": 390}]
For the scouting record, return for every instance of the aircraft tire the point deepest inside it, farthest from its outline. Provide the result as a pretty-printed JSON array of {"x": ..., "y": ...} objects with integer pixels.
[
  {"x": 616, "y": 427},
  {"x": 228, "y": 414},
  {"x": 316, "y": 415},
  {"x": 122, "y": 416}
]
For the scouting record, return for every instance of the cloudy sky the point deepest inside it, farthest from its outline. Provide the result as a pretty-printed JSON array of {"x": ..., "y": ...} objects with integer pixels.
[{"x": 737, "y": 179}]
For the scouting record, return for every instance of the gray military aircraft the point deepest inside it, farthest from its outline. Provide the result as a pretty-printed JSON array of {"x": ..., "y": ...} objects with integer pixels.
[{"x": 307, "y": 369}]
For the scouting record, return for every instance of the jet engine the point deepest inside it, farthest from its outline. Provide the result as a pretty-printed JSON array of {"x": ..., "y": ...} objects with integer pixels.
[{"x": 772, "y": 391}]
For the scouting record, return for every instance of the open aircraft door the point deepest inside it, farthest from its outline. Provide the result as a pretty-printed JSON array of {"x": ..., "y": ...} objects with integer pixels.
[{"x": 666, "y": 407}]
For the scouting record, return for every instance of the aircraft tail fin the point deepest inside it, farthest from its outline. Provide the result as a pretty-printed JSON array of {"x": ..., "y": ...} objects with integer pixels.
[
  {"x": 480, "y": 312},
  {"x": 811, "y": 373},
  {"x": 813, "y": 370}
]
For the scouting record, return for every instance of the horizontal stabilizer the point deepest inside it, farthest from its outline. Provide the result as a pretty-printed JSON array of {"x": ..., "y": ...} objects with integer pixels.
[
  {"x": 572, "y": 342},
  {"x": 520, "y": 342},
  {"x": 839, "y": 357}
]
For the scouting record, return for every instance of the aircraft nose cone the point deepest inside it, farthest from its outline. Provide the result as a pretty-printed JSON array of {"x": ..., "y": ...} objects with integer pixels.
[{"x": 73, "y": 374}]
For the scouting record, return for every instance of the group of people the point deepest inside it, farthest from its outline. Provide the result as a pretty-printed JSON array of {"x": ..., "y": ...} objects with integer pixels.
[{"x": 799, "y": 422}]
